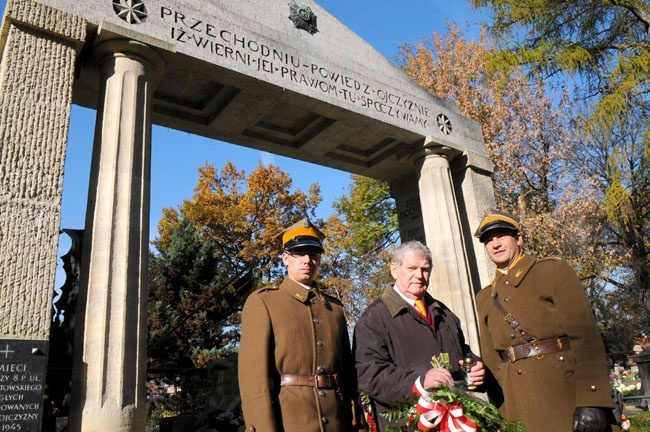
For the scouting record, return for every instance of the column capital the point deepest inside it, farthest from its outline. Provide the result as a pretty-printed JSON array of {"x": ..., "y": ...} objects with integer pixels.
[
  {"x": 432, "y": 148},
  {"x": 132, "y": 49}
]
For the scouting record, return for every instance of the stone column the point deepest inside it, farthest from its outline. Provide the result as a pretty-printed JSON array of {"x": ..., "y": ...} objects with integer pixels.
[
  {"x": 36, "y": 79},
  {"x": 472, "y": 176},
  {"x": 109, "y": 369},
  {"x": 450, "y": 282}
]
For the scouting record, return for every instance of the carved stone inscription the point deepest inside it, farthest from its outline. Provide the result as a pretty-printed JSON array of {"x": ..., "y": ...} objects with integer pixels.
[
  {"x": 410, "y": 220},
  {"x": 22, "y": 379},
  {"x": 227, "y": 46}
]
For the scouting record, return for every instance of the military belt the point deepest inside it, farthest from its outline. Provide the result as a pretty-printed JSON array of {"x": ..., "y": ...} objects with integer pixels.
[
  {"x": 536, "y": 348},
  {"x": 318, "y": 381}
]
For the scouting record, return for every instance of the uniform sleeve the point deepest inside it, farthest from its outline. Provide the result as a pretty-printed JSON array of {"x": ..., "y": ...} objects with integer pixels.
[
  {"x": 591, "y": 369},
  {"x": 377, "y": 374},
  {"x": 257, "y": 367},
  {"x": 349, "y": 385},
  {"x": 489, "y": 354}
]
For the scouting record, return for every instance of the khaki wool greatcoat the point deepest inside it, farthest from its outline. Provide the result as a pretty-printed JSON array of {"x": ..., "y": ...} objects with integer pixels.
[
  {"x": 547, "y": 299},
  {"x": 292, "y": 330}
]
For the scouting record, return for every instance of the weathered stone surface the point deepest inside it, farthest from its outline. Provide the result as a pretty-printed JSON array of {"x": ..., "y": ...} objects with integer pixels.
[
  {"x": 243, "y": 73},
  {"x": 35, "y": 95}
]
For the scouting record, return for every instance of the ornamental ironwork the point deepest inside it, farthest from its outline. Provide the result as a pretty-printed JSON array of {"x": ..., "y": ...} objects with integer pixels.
[{"x": 131, "y": 11}]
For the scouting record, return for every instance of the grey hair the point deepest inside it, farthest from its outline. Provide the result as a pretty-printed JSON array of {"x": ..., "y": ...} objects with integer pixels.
[{"x": 412, "y": 246}]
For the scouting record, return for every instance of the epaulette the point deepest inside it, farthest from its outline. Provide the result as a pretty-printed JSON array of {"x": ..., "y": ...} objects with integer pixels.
[
  {"x": 264, "y": 289},
  {"x": 549, "y": 259}
]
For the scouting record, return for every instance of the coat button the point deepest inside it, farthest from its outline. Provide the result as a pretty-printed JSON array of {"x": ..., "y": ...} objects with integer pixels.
[
  {"x": 506, "y": 299},
  {"x": 316, "y": 320},
  {"x": 512, "y": 335},
  {"x": 520, "y": 372},
  {"x": 319, "y": 343},
  {"x": 320, "y": 369},
  {"x": 321, "y": 393},
  {"x": 507, "y": 282},
  {"x": 324, "y": 420},
  {"x": 561, "y": 358},
  {"x": 593, "y": 388}
]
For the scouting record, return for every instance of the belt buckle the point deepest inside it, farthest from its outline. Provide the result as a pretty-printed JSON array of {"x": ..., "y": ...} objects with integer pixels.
[
  {"x": 316, "y": 384},
  {"x": 511, "y": 354},
  {"x": 534, "y": 346}
]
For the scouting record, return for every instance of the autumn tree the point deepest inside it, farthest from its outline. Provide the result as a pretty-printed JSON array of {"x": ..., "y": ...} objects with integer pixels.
[
  {"x": 526, "y": 124},
  {"x": 243, "y": 215},
  {"x": 533, "y": 135},
  {"x": 617, "y": 158},
  {"x": 205, "y": 254},
  {"x": 606, "y": 45},
  {"x": 357, "y": 253}
]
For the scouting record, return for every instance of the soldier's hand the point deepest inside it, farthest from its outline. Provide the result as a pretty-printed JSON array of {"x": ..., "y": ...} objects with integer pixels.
[{"x": 589, "y": 419}]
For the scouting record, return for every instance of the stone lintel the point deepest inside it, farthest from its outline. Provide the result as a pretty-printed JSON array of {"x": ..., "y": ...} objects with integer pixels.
[{"x": 241, "y": 72}]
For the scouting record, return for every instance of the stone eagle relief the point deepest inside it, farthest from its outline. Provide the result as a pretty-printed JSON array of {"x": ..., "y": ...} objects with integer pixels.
[{"x": 302, "y": 17}]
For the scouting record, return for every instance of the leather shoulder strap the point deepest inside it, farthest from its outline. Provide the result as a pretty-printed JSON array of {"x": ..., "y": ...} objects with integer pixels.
[{"x": 512, "y": 321}]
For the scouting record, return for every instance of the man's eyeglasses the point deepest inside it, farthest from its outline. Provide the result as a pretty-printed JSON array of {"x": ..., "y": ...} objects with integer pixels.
[{"x": 313, "y": 254}]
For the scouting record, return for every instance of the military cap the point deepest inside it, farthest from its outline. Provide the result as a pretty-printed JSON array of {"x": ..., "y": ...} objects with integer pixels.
[
  {"x": 497, "y": 220},
  {"x": 302, "y": 233}
]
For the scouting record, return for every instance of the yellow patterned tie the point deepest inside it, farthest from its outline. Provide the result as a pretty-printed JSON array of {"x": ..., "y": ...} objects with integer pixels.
[{"x": 419, "y": 305}]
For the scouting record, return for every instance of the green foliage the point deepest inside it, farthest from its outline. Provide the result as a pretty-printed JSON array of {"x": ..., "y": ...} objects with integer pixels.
[
  {"x": 243, "y": 215},
  {"x": 604, "y": 41},
  {"x": 370, "y": 213},
  {"x": 482, "y": 413},
  {"x": 640, "y": 422},
  {"x": 189, "y": 273},
  {"x": 605, "y": 45},
  {"x": 192, "y": 316},
  {"x": 357, "y": 254}
]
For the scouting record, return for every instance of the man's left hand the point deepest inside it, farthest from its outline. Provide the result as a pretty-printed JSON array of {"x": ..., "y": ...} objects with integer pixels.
[{"x": 477, "y": 373}]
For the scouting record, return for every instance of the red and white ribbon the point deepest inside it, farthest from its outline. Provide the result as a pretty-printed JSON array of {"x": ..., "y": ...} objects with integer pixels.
[
  {"x": 418, "y": 390},
  {"x": 449, "y": 418}
]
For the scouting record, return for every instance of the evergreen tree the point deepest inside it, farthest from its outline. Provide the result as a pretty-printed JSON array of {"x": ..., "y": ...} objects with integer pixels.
[
  {"x": 607, "y": 42},
  {"x": 192, "y": 306}
]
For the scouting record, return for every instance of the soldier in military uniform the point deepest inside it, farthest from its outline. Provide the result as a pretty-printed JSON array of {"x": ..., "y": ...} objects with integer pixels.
[
  {"x": 539, "y": 337},
  {"x": 296, "y": 371}
]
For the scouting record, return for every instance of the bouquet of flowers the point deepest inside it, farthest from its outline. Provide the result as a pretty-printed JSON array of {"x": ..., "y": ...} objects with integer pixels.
[{"x": 448, "y": 410}]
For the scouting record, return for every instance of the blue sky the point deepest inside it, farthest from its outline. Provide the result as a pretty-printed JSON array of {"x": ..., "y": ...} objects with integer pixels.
[{"x": 385, "y": 24}]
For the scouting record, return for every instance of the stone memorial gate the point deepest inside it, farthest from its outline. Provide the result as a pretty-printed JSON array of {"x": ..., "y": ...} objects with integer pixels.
[{"x": 284, "y": 77}]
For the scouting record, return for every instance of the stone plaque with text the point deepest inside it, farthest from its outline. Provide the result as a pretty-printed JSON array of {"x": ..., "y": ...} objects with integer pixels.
[{"x": 22, "y": 380}]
